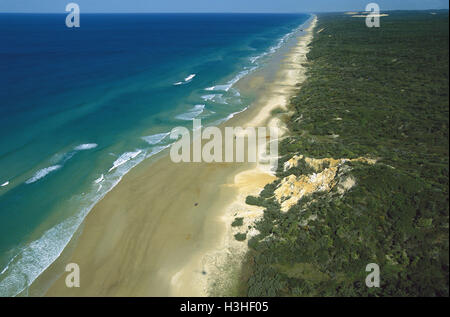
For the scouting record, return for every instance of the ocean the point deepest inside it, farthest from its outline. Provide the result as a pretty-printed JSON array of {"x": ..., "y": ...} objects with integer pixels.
[{"x": 80, "y": 107}]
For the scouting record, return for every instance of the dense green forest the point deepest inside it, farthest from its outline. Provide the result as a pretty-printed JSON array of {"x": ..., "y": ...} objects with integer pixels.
[{"x": 378, "y": 93}]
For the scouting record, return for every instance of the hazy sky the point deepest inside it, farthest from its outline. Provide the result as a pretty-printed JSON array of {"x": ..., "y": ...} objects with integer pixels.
[{"x": 215, "y": 5}]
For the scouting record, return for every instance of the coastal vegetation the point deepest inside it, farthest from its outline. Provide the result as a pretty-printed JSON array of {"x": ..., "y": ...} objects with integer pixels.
[
  {"x": 238, "y": 221},
  {"x": 240, "y": 236},
  {"x": 372, "y": 121}
]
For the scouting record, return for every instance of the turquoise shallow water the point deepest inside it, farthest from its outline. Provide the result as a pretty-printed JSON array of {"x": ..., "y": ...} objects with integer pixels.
[{"x": 80, "y": 107}]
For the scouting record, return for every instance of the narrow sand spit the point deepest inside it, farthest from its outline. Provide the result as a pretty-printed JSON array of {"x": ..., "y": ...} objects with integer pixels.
[{"x": 165, "y": 230}]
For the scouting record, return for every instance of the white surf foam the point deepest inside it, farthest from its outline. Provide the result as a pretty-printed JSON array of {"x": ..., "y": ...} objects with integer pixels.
[
  {"x": 26, "y": 268},
  {"x": 59, "y": 160},
  {"x": 192, "y": 114},
  {"x": 155, "y": 138},
  {"x": 62, "y": 158},
  {"x": 125, "y": 157},
  {"x": 236, "y": 92},
  {"x": 7, "y": 265},
  {"x": 157, "y": 149},
  {"x": 226, "y": 87},
  {"x": 87, "y": 146},
  {"x": 32, "y": 259},
  {"x": 100, "y": 179},
  {"x": 42, "y": 173},
  {"x": 208, "y": 97},
  {"x": 190, "y": 77},
  {"x": 219, "y": 88},
  {"x": 231, "y": 115},
  {"x": 273, "y": 49},
  {"x": 220, "y": 99}
]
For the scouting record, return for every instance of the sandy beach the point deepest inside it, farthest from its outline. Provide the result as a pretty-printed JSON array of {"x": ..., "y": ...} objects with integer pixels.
[{"x": 165, "y": 230}]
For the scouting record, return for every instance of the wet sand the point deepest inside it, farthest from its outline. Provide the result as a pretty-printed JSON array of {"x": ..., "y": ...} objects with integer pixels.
[{"x": 165, "y": 230}]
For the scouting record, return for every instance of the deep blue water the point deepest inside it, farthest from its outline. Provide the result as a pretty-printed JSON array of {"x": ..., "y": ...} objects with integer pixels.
[{"x": 80, "y": 107}]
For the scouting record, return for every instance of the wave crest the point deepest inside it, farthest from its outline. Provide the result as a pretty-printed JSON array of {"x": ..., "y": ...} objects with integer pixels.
[{"x": 42, "y": 173}]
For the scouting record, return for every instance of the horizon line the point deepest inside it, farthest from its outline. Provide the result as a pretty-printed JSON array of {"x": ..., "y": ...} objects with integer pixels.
[{"x": 217, "y": 12}]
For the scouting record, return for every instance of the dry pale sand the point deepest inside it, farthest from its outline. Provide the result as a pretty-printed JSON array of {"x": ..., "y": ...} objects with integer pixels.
[{"x": 165, "y": 229}]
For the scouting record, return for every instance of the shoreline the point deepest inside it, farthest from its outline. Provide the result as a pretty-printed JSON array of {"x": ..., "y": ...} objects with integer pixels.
[
  {"x": 179, "y": 235},
  {"x": 224, "y": 261}
]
